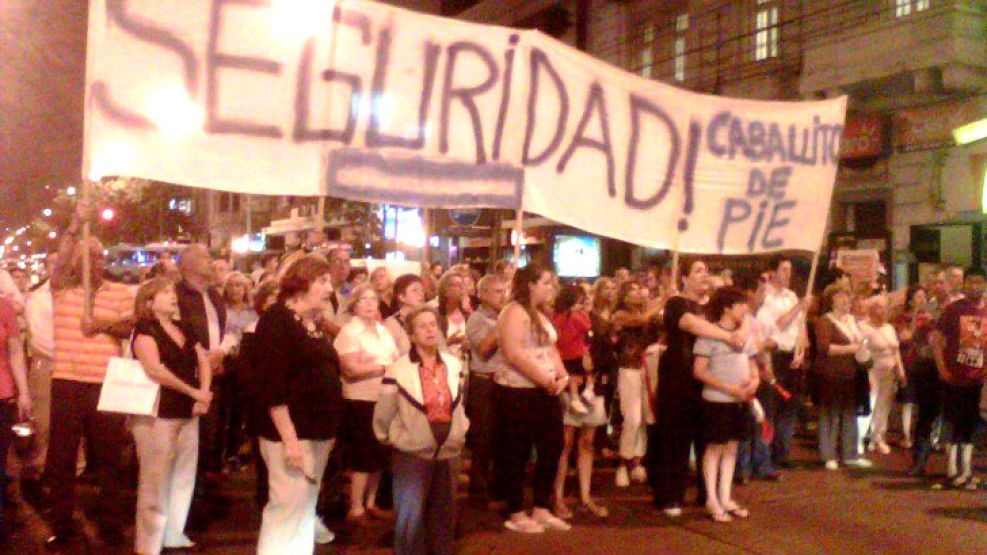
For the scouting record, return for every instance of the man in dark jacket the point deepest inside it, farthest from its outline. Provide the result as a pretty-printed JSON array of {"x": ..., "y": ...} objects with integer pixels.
[{"x": 203, "y": 307}]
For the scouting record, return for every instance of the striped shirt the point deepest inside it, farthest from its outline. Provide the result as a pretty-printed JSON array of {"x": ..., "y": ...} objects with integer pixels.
[{"x": 79, "y": 358}]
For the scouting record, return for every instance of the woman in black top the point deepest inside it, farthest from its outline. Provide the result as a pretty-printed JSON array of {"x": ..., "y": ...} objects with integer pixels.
[
  {"x": 677, "y": 402},
  {"x": 167, "y": 445},
  {"x": 301, "y": 395}
]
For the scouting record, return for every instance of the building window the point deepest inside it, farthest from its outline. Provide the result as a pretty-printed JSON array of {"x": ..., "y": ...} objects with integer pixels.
[
  {"x": 904, "y": 8},
  {"x": 766, "y": 30},
  {"x": 681, "y": 27},
  {"x": 646, "y": 56}
]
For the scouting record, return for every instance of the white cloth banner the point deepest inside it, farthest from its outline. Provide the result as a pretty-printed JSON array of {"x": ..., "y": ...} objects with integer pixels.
[
  {"x": 369, "y": 102},
  {"x": 127, "y": 389}
]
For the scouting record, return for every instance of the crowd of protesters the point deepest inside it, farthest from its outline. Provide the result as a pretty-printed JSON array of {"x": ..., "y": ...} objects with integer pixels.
[{"x": 421, "y": 383}]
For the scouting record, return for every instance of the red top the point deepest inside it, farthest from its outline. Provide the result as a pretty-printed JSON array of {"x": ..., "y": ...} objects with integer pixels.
[
  {"x": 573, "y": 328},
  {"x": 963, "y": 324},
  {"x": 8, "y": 329},
  {"x": 436, "y": 393}
]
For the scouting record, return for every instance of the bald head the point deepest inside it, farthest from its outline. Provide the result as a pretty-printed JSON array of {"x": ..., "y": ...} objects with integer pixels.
[{"x": 195, "y": 265}]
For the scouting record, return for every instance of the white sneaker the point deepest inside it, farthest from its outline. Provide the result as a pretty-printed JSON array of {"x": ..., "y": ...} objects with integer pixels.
[
  {"x": 673, "y": 512},
  {"x": 832, "y": 465},
  {"x": 577, "y": 406},
  {"x": 859, "y": 463},
  {"x": 621, "y": 479},
  {"x": 548, "y": 521},
  {"x": 323, "y": 535},
  {"x": 639, "y": 474},
  {"x": 961, "y": 480},
  {"x": 588, "y": 395},
  {"x": 524, "y": 525}
]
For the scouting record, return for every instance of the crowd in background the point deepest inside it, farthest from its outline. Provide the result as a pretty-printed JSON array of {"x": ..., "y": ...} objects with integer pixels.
[{"x": 418, "y": 384}]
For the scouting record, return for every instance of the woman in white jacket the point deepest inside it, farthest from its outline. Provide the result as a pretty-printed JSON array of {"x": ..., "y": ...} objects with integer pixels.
[
  {"x": 420, "y": 415},
  {"x": 882, "y": 342}
]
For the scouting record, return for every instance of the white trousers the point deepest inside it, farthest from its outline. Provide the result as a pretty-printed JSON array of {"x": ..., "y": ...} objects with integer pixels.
[
  {"x": 633, "y": 432},
  {"x": 288, "y": 524},
  {"x": 168, "y": 450},
  {"x": 882, "y": 382}
]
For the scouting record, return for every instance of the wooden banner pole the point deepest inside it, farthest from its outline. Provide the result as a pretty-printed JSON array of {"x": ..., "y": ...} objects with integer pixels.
[
  {"x": 800, "y": 345},
  {"x": 87, "y": 285}
]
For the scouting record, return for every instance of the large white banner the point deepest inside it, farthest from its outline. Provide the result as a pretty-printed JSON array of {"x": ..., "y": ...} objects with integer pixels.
[{"x": 368, "y": 102}]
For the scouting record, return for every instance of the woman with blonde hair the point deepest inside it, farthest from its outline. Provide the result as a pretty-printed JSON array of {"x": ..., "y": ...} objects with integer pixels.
[
  {"x": 240, "y": 314},
  {"x": 383, "y": 285},
  {"x": 453, "y": 312},
  {"x": 365, "y": 350},
  {"x": 886, "y": 371}
]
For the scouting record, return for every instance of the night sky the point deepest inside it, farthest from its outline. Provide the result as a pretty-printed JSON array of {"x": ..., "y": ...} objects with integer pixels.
[{"x": 42, "y": 79}]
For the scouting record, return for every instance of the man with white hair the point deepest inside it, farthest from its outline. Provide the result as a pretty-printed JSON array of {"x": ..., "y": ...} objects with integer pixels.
[
  {"x": 481, "y": 331},
  {"x": 202, "y": 307}
]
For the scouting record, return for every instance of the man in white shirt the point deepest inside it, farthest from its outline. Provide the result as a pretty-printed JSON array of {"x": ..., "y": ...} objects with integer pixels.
[
  {"x": 782, "y": 317},
  {"x": 38, "y": 312}
]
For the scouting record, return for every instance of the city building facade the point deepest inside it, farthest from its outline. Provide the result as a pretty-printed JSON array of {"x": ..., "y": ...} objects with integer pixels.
[{"x": 913, "y": 70}]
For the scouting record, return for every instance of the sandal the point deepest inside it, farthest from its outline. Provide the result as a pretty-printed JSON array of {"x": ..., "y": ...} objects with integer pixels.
[
  {"x": 739, "y": 512},
  {"x": 722, "y": 516},
  {"x": 597, "y": 510},
  {"x": 562, "y": 511},
  {"x": 973, "y": 484}
]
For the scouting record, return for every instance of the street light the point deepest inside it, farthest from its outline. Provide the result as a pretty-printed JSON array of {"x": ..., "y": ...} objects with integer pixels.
[
  {"x": 107, "y": 214},
  {"x": 52, "y": 234},
  {"x": 46, "y": 212},
  {"x": 970, "y": 132}
]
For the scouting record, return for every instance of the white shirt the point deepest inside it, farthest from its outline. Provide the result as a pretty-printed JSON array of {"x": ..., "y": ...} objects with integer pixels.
[
  {"x": 212, "y": 317},
  {"x": 777, "y": 302},
  {"x": 40, "y": 320},
  {"x": 882, "y": 343},
  {"x": 375, "y": 342},
  {"x": 339, "y": 317}
]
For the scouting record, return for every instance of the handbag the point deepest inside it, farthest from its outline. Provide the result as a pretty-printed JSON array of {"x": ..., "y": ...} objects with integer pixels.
[{"x": 128, "y": 390}]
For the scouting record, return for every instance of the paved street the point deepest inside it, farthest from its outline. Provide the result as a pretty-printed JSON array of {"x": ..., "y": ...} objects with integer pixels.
[{"x": 812, "y": 511}]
